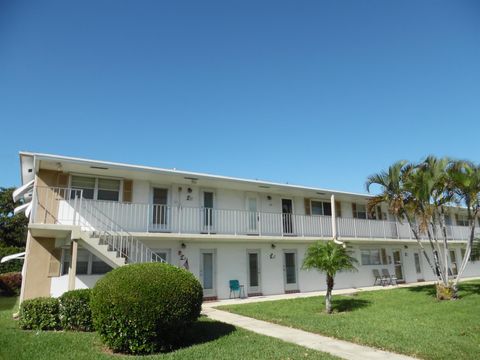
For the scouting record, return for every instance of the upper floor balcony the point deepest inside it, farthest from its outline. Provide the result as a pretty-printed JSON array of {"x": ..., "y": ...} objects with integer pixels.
[{"x": 69, "y": 207}]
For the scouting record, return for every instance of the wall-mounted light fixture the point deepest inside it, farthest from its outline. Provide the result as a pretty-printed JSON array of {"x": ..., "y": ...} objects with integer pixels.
[
  {"x": 183, "y": 246},
  {"x": 189, "y": 190},
  {"x": 273, "y": 246},
  {"x": 269, "y": 197}
]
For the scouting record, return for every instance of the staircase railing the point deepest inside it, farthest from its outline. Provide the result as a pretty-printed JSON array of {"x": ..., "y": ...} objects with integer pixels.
[{"x": 49, "y": 210}]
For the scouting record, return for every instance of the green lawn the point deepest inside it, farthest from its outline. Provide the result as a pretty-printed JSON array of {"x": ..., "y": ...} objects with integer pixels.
[
  {"x": 409, "y": 320},
  {"x": 208, "y": 340}
]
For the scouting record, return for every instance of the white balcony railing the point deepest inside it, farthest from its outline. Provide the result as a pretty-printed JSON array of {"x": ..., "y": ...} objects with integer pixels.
[{"x": 95, "y": 215}]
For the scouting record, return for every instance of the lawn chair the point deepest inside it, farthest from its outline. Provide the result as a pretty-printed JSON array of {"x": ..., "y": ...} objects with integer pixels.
[
  {"x": 235, "y": 286},
  {"x": 392, "y": 279},
  {"x": 381, "y": 280}
]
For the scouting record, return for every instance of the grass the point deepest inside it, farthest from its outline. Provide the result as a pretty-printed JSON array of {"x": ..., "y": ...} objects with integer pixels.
[
  {"x": 409, "y": 320},
  {"x": 207, "y": 340}
]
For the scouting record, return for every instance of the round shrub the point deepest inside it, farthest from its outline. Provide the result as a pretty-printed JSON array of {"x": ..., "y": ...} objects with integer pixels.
[
  {"x": 144, "y": 308},
  {"x": 39, "y": 314},
  {"x": 10, "y": 283},
  {"x": 75, "y": 313}
]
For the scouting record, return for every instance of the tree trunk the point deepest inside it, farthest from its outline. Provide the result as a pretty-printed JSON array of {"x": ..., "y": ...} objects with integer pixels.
[{"x": 328, "y": 296}]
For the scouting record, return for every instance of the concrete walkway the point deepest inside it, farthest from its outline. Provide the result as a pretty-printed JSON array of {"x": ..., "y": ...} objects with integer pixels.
[{"x": 340, "y": 348}]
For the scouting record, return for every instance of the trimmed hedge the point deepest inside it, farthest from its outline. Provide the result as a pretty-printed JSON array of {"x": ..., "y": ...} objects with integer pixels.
[
  {"x": 40, "y": 314},
  {"x": 75, "y": 313},
  {"x": 144, "y": 308},
  {"x": 10, "y": 284},
  {"x": 12, "y": 265}
]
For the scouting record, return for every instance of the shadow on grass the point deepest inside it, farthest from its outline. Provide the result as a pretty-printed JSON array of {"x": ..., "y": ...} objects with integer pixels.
[
  {"x": 347, "y": 305},
  {"x": 7, "y": 302},
  {"x": 205, "y": 331},
  {"x": 465, "y": 289}
]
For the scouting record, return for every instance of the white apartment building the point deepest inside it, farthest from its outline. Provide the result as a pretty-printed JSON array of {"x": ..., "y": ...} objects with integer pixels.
[{"x": 88, "y": 216}]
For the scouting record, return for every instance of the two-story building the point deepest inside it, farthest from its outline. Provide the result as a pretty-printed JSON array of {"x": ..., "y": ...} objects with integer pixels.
[{"x": 89, "y": 216}]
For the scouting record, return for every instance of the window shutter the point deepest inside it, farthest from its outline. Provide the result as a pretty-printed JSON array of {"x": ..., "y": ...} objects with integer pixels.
[
  {"x": 127, "y": 190},
  {"x": 54, "y": 265},
  {"x": 308, "y": 210},
  {"x": 338, "y": 209},
  {"x": 384, "y": 256},
  {"x": 354, "y": 210}
]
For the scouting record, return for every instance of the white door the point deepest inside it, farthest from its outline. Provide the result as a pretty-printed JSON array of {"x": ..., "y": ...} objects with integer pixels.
[
  {"x": 207, "y": 272},
  {"x": 398, "y": 264},
  {"x": 253, "y": 269},
  {"x": 290, "y": 270},
  {"x": 208, "y": 212},
  {"x": 418, "y": 266},
  {"x": 252, "y": 215}
]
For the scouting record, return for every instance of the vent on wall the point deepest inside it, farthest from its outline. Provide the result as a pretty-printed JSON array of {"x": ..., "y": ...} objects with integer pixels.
[{"x": 98, "y": 167}]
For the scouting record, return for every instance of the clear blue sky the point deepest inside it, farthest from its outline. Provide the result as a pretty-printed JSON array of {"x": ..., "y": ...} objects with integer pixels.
[{"x": 319, "y": 93}]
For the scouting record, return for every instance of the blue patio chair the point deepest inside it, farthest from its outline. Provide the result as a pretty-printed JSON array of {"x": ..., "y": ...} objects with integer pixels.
[{"x": 235, "y": 286}]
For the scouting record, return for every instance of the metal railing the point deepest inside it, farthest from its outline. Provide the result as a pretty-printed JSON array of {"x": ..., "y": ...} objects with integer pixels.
[
  {"x": 56, "y": 205},
  {"x": 96, "y": 215}
]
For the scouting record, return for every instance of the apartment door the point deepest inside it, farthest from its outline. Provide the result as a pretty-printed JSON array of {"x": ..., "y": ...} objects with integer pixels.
[
  {"x": 207, "y": 272},
  {"x": 453, "y": 263},
  {"x": 287, "y": 210},
  {"x": 254, "y": 283},
  {"x": 418, "y": 266},
  {"x": 398, "y": 264},
  {"x": 160, "y": 200},
  {"x": 290, "y": 270},
  {"x": 252, "y": 214},
  {"x": 208, "y": 221}
]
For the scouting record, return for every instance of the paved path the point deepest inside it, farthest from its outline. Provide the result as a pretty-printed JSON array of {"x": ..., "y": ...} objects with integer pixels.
[{"x": 340, "y": 348}]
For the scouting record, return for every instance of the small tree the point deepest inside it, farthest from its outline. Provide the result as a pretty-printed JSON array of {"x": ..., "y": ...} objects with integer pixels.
[{"x": 328, "y": 257}]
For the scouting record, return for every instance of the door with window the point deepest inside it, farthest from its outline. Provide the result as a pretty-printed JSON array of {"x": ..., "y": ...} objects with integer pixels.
[
  {"x": 208, "y": 212},
  {"x": 290, "y": 270},
  {"x": 252, "y": 215},
  {"x": 207, "y": 272},
  {"x": 160, "y": 209},
  {"x": 287, "y": 216},
  {"x": 398, "y": 264},
  {"x": 418, "y": 266},
  {"x": 453, "y": 263},
  {"x": 253, "y": 261}
]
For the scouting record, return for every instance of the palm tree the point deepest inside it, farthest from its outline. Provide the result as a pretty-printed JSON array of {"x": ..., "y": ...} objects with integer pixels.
[{"x": 330, "y": 258}]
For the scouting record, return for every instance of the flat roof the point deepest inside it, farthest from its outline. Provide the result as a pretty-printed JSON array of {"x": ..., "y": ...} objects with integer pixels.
[{"x": 158, "y": 170}]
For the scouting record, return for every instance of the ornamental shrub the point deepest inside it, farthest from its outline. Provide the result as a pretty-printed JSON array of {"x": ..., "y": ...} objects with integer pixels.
[
  {"x": 10, "y": 284},
  {"x": 40, "y": 314},
  {"x": 144, "y": 308},
  {"x": 12, "y": 265},
  {"x": 75, "y": 313}
]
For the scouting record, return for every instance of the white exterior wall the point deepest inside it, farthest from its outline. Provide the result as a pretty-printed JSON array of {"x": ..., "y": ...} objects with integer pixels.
[{"x": 231, "y": 263}]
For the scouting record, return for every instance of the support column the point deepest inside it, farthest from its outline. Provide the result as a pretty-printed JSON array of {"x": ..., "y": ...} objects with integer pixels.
[
  {"x": 334, "y": 217},
  {"x": 72, "y": 269}
]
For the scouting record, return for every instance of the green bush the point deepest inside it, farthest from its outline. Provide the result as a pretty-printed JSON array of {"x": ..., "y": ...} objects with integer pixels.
[
  {"x": 12, "y": 265},
  {"x": 40, "y": 314},
  {"x": 10, "y": 283},
  {"x": 143, "y": 308},
  {"x": 75, "y": 313}
]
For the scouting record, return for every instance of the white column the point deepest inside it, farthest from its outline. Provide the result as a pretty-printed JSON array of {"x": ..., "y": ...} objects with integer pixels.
[
  {"x": 72, "y": 269},
  {"x": 334, "y": 217}
]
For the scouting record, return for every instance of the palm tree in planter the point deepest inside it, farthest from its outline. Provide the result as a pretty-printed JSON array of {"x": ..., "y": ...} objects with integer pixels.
[{"x": 330, "y": 258}]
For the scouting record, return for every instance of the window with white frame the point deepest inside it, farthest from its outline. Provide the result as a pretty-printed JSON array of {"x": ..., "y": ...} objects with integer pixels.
[
  {"x": 96, "y": 188},
  {"x": 87, "y": 263},
  {"x": 462, "y": 220},
  {"x": 164, "y": 254},
  {"x": 359, "y": 211},
  {"x": 371, "y": 256},
  {"x": 321, "y": 207}
]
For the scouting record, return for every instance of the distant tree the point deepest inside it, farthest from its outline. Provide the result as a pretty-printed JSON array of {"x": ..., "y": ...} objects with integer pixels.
[
  {"x": 13, "y": 228},
  {"x": 330, "y": 258}
]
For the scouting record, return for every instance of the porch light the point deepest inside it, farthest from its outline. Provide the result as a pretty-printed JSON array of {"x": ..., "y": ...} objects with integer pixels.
[
  {"x": 273, "y": 246},
  {"x": 183, "y": 246}
]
